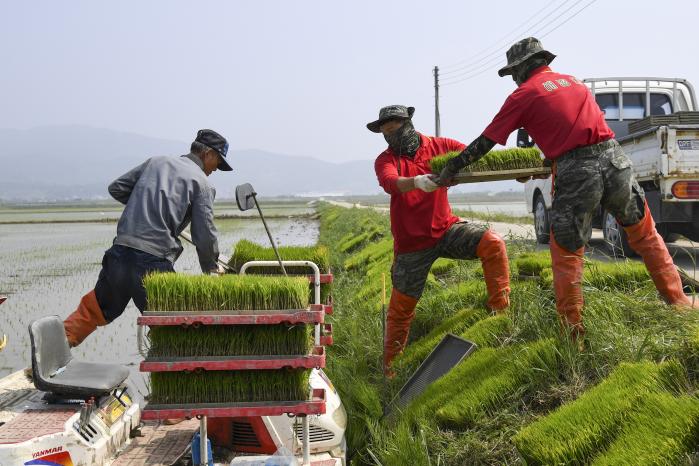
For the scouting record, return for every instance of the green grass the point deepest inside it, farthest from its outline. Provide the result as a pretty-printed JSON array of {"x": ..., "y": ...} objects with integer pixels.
[
  {"x": 169, "y": 292},
  {"x": 246, "y": 251},
  {"x": 575, "y": 432},
  {"x": 531, "y": 264},
  {"x": 663, "y": 429},
  {"x": 495, "y": 160},
  {"x": 229, "y": 386},
  {"x": 230, "y": 340}
]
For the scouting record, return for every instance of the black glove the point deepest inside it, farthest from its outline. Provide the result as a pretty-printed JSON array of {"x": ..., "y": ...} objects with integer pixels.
[{"x": 450, "y": 169}]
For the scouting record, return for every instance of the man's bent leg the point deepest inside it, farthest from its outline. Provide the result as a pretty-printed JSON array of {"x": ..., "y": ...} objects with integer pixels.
[
  {"x": 466, "y": 240},
  {"x": 84, "y": 320},
  {"x": 103, "y": 304}
]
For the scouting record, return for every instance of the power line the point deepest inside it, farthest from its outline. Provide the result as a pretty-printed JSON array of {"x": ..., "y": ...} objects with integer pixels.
[
  {"x": 497, "y": 58},
  {"x": 486, "y": 67},
  {"x": 499, "y": 44}
]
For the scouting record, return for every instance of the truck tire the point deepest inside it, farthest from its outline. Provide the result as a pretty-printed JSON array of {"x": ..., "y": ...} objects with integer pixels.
[
  {"x": 615, "y": 237},
  {"x": 542, "y": 227}
]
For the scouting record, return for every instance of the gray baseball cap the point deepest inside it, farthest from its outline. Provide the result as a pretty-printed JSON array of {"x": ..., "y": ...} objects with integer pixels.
[{"x": 392, "y": 112}]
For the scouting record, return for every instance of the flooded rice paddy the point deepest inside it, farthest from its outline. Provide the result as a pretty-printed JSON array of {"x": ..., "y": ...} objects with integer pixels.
[{"x": 45, "y": 268}]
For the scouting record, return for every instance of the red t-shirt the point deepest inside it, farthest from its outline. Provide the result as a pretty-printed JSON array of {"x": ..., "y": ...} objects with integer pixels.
[
  {"x": 557, "y": 110},
  {"x": 418, "y": 219}
]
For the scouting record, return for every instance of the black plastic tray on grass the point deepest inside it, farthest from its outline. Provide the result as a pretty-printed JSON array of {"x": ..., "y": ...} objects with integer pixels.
[{"x": 447, "y": 354}]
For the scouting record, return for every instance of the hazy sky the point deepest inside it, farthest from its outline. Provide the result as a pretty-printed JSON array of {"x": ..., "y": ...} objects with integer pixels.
[{"x": 304, "y": 77}]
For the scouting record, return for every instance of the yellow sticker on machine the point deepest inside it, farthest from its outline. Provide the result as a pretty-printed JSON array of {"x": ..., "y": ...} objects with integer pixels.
[{"x": 113, "y": 411}]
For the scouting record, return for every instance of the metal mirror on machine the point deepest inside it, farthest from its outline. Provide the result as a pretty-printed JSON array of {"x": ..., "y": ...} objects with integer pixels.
[{"x": 246, "y": 198}]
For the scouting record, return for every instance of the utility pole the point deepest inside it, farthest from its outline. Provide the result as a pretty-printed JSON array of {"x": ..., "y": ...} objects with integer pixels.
[{"x": 436, "y": 101}]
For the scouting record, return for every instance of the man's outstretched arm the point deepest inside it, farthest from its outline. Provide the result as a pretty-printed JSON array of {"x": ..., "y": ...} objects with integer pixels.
[{"x": 474, "y": 151}]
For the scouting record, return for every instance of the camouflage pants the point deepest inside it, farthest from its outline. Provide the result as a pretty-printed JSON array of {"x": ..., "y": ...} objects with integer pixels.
[
  {"x": 410, "y": 270},
  {"x": 586, "y": 178}
]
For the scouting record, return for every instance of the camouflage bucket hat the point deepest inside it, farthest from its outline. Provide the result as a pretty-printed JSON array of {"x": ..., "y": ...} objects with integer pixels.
[
  {"x": 523, "y": 50},
  {"x": 392, "y": 112}
]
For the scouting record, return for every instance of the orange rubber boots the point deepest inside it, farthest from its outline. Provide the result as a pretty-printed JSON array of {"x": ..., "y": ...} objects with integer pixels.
[
  {"x": 84, "y": 320},
  {"x": 567, "y": 287},
  {"x": 493, "y": 255},
  {"x": 645, "y": 240},
  {"x": 401, "y": 312}
]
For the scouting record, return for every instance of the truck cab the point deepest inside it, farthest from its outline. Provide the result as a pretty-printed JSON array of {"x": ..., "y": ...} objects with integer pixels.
[{"x": 665, "y": 156}]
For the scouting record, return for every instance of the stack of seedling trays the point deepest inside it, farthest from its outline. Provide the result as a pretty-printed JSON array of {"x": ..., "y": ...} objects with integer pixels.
[
  {"x": 497, "y": 165},
  {"x": 232, "y": 346}
]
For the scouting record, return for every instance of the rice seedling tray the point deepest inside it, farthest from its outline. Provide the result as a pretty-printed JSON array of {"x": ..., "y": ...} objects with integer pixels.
[
  {"x": 325, "y": 278},
  {"x": 315, "y": 359},
  {"x": 315, "y": 405},
  {"x": 314, "y": 314},
  {"x": 477, "y": 177}
]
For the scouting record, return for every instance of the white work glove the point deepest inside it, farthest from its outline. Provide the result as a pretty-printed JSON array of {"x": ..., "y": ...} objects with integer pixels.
[{"x": 425, "y": 183}]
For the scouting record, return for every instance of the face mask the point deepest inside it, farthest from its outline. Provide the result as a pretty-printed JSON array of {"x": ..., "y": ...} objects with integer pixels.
[
  {"x": 404, "y": 140},
  {"x": 521, "y": 73}
]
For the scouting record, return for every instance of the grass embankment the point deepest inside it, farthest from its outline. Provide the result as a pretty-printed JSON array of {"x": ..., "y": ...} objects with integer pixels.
[{"x": 525, "y": 380}]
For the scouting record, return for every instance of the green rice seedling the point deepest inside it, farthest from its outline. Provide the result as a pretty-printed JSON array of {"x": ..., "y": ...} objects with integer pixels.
[
  {"x": 443, "y": 266},
  {"x": 417, "y": 351},
  {"x": 576, "y": 431},
  {"x": 170, "y": 292},
  {"x": 489, "y": 332},
  {"x": 229, "y": 386},
  {"x": 246, "y": 251},
  {"x": 662, "y": 430},
  {"x": 546, "y": 278},
  {"x": 352, "y": 241},
  {"x": 437, "y": 306},
  {"x": 532, "y": 264},
  {"x": 495, "y": 160},
  {"x": 515, "y": 367},
  {"x": 369, "y": 254},
  {"x": 625, "y": 276},
  {"x": 230, "y": 340},
  {"x": 482, "y": 381}
]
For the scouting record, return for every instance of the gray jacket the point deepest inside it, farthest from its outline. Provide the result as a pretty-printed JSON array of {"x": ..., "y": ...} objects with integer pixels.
[{"x": 162, "y": 196}]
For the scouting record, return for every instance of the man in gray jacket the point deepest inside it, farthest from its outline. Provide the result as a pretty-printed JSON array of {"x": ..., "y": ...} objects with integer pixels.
[{"x": 162, "y": 196}]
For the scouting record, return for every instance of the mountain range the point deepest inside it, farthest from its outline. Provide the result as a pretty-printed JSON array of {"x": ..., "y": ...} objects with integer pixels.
[{"x": 53, "y": 163}]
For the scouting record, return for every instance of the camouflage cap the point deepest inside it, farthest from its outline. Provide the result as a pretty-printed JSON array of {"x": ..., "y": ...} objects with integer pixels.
[
  {"x": 523, "y": 50},
  {"x": 392, "y": 112}
]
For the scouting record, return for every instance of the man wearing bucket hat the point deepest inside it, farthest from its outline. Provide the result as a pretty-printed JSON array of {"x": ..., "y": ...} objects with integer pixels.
[
  {"x": 589, "y": 167},
  {"x": 423, "y": 225},
  {"x": 162, "y": 196}
]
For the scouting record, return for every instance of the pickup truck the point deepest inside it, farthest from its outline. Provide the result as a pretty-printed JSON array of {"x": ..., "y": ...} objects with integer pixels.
[{"x": 665, "y": 156}]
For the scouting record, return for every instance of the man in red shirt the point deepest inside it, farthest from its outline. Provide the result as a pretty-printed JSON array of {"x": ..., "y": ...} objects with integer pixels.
[
  {"x": 589, "y": 167},
  {"x": 423, "y": 225}
]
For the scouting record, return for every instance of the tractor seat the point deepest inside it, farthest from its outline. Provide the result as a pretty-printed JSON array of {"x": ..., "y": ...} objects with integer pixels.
[{"x": 55, "y": 371}]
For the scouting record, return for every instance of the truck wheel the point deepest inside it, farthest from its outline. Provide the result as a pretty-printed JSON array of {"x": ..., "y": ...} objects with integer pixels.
[
  {"x": 541, "y": 221},
  {"x": 615, "y": 237}
]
